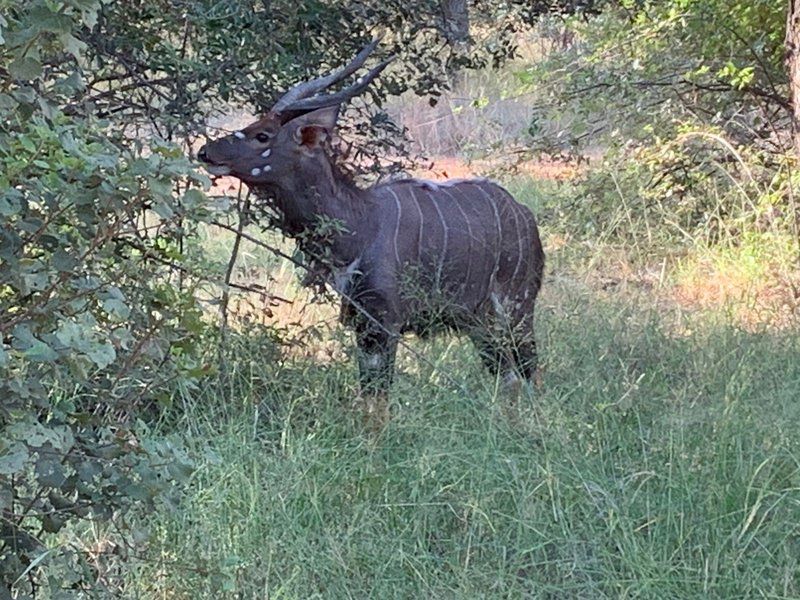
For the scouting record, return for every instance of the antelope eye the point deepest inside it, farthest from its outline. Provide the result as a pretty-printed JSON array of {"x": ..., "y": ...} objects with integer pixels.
[{"x": 262, "y": 137}]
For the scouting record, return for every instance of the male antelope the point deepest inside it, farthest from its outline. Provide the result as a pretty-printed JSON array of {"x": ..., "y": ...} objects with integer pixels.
[{"x": 409, "y": 255}]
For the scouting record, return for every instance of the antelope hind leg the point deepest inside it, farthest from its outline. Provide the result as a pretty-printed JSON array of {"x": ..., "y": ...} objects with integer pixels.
[
  {"x": 376, "y": 356},
  {"x": 499, "y": 361},
  {"x": 374, "y": 408}
]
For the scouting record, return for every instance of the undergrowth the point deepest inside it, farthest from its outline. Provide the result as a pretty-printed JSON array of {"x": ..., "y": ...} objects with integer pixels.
[{"x": 658, "y": 460}]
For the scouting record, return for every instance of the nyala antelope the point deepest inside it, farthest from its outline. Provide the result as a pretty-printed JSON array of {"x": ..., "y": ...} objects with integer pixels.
[{"x": 406, "y": 256}]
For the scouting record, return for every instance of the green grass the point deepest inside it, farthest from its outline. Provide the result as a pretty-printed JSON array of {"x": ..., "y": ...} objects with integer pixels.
[{"x": 659, "y": 460}]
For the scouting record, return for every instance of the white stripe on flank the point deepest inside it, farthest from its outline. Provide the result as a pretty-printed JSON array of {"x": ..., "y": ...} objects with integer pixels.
[
  {"x": 445, "y": 237},
  {"x": 499, "y": 230},
  {"x": 519, "y": 242},
  {"x": 421, "y": 221},
  {"x": 469, "y": 233},
  {"x": 397, "y": 225}
]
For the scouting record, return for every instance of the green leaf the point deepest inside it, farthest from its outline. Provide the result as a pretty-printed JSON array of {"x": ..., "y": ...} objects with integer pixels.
[
  {"x": 193, "y": 198},
  {"x": 27, "y": 143},
  {"x": 25, "y": 68},
  {"x": 88, "y": 470},
  {"x": 102, "y": 355},
  {"x": 180, "y": 471},
  {"x": 10, "y": 203},
  {"x": 43, "y": 18},
  {"x": 35, "y": 281},
  {"x": 63, "y": 261},
  {"x": 70, "y": 334},
  {"x": 163, "y": 210},
  {"x": 52, "y": 523},
  {"x": 40, "y": 352},
  {"x": 13, "y": 458},
  {"x": 6, "y": 101},
  {"x": 116, "y": 309},
  {"x": 69, "y": 85},
  {"x": 36, "y": 435},
  {"x": 49, "y": 471},
  {"x": 137, "y": 491},
  {"x": 89, "y": 16},
  {"x": 72, "y": 45},
  {"x": 160, "y": 188}
]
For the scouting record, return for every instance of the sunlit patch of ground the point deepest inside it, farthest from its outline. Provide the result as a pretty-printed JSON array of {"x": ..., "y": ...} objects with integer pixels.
[
  {"x": 448, "y": 167},
  {"x": 225, "y": 186},
  {"x": 771, "y": 300}
]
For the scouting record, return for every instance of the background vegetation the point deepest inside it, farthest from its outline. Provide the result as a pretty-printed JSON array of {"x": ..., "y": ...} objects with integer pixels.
[{"x": 171, "y": 425}]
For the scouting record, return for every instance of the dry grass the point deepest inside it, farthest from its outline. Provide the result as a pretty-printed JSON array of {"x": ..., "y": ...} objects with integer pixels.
[
  {"x": 771, "y": 299},
  {"x": 450, "y": 167}
]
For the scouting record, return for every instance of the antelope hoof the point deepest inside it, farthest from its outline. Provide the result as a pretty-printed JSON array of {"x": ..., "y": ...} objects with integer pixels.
[
  {"x": 511, "y": 391},
  {"x": 375, "y": 410}
]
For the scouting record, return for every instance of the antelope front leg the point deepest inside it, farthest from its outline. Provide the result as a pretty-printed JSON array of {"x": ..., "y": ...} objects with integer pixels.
[{"x": 376, "y": 356}]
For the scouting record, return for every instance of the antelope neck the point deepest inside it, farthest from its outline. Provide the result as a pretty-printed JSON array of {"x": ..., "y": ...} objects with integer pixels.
[{"x": 337, "y": 200}]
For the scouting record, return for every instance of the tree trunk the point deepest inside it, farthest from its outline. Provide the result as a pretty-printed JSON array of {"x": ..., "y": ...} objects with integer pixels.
[
  {"x": 455, "y": 21},
  {"x": 793, "y": 68}
]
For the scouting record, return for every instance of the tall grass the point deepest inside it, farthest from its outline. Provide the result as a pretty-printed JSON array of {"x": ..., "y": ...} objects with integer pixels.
[
  {"x": 486, "y": 109},
  {"x": 658, "y": 460}
]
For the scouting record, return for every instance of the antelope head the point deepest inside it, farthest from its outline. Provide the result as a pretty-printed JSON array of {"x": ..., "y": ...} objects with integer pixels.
[{"x": 285, "y": 148}]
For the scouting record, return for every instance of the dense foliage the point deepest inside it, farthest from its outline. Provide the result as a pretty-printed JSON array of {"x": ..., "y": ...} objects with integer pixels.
[
  {"x": 94, "y": 328},
  {"x": 689, "y": 101}
]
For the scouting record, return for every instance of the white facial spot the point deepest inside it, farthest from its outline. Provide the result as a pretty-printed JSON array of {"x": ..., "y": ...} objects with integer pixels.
[
  {"x": 255, "y": 172},
  {"x": 266, "y": 153},
  {"x": 239, "y": 135},
  {"x": 267, "y": 168}
]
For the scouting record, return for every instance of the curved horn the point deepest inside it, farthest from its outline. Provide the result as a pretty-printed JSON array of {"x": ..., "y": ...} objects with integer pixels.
[
  {"x": 306, "y": 104},
  {"x": 308, "y": 88}
]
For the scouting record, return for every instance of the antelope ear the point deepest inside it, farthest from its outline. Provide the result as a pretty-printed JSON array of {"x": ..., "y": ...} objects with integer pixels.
[{"x": 313, "y": 128}]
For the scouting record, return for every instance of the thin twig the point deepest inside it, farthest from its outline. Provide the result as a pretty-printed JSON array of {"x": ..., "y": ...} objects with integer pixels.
[{"x": 243, "y": 209}]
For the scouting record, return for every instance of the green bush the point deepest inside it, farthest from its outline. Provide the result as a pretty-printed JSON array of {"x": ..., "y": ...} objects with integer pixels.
[
  {"x": 94, "y": 327},
  {"x": 687, "y": 102},
  {"x": 100, "y": 104}
]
